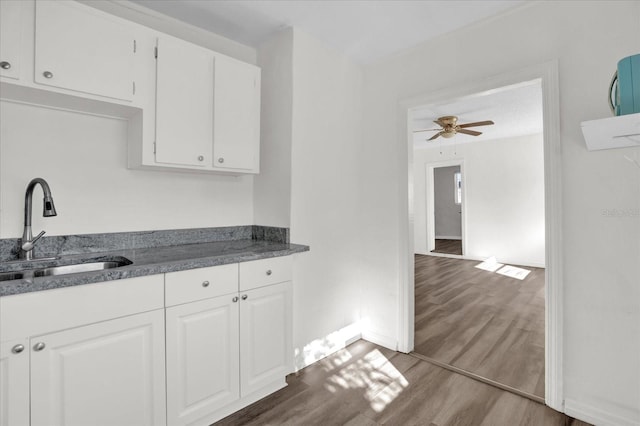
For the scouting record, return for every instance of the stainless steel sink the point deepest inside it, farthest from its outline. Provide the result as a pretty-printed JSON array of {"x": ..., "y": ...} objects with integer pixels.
[
  {"x": 74, "y": 269},
  {"x": 86, "y": 265}
]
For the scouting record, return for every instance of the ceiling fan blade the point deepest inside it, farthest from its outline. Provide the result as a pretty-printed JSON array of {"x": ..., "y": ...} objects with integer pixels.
[
  {"x": 469, "y": 132},
  {"x": 426, "y": 130},
  {"x": 434, "y": 136},
  {"x": 477, "y": 123}
]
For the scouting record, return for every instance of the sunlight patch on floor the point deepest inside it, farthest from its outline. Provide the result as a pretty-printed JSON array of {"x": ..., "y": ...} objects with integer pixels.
[
  {"x": 492, "y": 265},
  {"x": 378, "y": 378}
]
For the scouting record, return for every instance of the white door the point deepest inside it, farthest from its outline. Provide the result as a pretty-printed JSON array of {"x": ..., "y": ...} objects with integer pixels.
[
  {"x": 265, "y": 336},
  {"x": 14, "y": 383},
  {"x": 202, "y": 358},
  {"x": 236, "y": 124},
  {"x": 184, "y": 103},
  {"x": 10, "y": 38},
  {"x": 82, "y": 49},
  {"x": 104, "y": 374}
]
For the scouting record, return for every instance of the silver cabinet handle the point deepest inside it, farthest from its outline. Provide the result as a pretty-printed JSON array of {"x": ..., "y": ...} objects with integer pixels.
[
  {"x": 235, "y": 299},
  {"x": 244, "y": 297},
  {"x": 17, "y": 349},
  {"x": 205, "y": 283},
  {"x": 5, "y": 65},
  {"x": 47, "y": 74},
  {"x": 200, "y": 158},
  {"x": 269, "y": 272},
  {"x": 39, "y": 346},
  {"x": 220, "y": 160}
]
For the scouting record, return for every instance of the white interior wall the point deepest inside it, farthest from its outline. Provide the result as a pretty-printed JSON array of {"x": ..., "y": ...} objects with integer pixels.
[
  {"x": 447, "y": 217},
  {"x": 84, "y": 160},
  {"x": 325, "y": 159},
  {"x": 272, "y": 187},
  {"x": 601, "y": 251},
  {"x": 504, "y": 194}
]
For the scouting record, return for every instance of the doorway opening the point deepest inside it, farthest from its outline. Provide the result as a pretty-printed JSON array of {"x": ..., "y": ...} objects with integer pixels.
[
  {"x": 480, "y": 309},
  {"x": 444, "y": 208}
]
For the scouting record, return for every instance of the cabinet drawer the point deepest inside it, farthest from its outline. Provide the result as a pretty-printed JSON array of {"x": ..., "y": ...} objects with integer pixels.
[
  {"x": 259, "y": 273},
  {"x": 201, "y": 283}
]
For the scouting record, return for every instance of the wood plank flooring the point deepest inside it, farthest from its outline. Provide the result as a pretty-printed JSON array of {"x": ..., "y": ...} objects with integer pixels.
[
  {"x": 366, "y": 384},
  {"x": 448, "y": 247},
  {"x": 480, "y": 321}
]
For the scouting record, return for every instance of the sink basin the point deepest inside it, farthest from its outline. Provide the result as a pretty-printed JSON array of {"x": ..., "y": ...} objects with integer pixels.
[
  {"x": 74, "y": 269},
  {"x": 88, "y": 265}
]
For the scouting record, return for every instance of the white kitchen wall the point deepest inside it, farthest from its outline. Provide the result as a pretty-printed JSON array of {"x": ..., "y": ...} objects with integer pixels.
[
  {"x": 272, "y": 187},
  {"x": 447, "y": 217},
  {"x": 310, "y": 182},
  {"x": 601, "y": 190},
  {"x": 504, "y": 194},
  {"x": 325, "y": 170},
  {"x": 84, "y": 159}
]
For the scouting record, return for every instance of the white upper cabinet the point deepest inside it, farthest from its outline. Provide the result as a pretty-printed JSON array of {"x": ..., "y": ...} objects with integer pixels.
[
  {"x": 236, "y": 127},
  {"x": 84, "y": 50},
  {"x": 207, "y": 110},
  {"x": 184, "y": 103},
  {"x": 10, "y": 38}
]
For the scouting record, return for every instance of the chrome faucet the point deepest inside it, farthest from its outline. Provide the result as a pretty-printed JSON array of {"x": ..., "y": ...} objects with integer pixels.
[{"x": 28, "y": 241}]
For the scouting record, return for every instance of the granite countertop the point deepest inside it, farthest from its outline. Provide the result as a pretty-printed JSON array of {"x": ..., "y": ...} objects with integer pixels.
[{"x": 146, "y": 261}]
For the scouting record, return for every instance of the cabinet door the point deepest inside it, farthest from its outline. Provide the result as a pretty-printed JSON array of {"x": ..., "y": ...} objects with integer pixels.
[
  {"x": 104, "y": 374},
  {"x": 236, "y": 124},
  {"x": 265, "y": 336},
  {"x": 83, "y": 49},
  {"x": 202, "y": 358},
  {"x": 184, "y": 103},
  {"x": 14, "y": 383},
  {"x": 10, "y": 38}
]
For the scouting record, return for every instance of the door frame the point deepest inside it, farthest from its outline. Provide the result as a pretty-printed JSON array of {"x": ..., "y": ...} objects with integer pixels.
[
  {"x": 547, "y": 73},
  {"x": 430, "y": 206}
]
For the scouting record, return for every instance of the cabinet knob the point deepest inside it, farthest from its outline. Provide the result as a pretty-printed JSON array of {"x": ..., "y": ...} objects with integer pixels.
[
  {"x": 38, "y": 346},
  {"x": 235, "y": 299},
  {"x": 205, "y": 284},
  {"x": 47, "y": 74},
  {"x": 269, "y": 272},
  {"x": 220, "y": 160},
  {"x": 17, "y": 349},
  {"x": 244, "y": 297},
  {"x": 5, "y": 65},
  {"x": 200, "y": 158}
]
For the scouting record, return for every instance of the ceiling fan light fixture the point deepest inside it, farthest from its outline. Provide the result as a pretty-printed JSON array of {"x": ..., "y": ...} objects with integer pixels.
[{"x": 448, "y": 134}]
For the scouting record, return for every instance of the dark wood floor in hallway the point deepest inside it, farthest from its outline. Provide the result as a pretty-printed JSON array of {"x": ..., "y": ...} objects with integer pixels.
[
  {"x": 481, "y": 321},
  {"x": 366, "y": 384}
]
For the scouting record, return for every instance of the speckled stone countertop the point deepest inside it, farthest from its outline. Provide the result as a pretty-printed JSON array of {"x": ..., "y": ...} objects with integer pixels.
[{"x": 149, "y": 261}]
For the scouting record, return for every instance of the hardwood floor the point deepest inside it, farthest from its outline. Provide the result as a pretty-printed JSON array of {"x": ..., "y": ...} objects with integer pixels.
[
  {"x": 366, "y": 384},
  {"x": 480, "y": 321},
  {"x": 448, "y": 247}
]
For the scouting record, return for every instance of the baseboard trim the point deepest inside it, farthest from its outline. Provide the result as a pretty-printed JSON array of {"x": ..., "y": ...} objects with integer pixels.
[
  {"x": 596, "y": 416},
  {"x": 325, "y": 346},
  {"x": 482, "y": 379},
  {"x": 380, "y": 340}
]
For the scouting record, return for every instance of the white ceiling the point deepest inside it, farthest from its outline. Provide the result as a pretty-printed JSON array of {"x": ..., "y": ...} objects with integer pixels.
[
  {"x": 365, "y": 30},
  {"x": 515, "y": 110}
]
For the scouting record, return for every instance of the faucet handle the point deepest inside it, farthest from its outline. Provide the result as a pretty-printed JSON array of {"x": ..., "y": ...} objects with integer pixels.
[{"x": 28, "y": 245}]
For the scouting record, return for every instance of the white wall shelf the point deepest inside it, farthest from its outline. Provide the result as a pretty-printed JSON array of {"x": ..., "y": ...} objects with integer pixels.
[{"x": 614, "y": 132}]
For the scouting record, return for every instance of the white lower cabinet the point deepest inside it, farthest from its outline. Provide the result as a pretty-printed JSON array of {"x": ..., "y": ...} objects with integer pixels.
[
  {"x": 188, "y": 350},
  {"x": 226, "y": 351},
  {"x": 202, "y": 358},
  {"x": 265, "y": 336},
  {"x": 104, "y": 374}
]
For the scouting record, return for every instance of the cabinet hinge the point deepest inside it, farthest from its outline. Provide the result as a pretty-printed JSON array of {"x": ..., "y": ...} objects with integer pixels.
[
  {"x": 155, "y": 52},
  {"x": 135, "y": 47},
  {"x": 134, "y": 87}
]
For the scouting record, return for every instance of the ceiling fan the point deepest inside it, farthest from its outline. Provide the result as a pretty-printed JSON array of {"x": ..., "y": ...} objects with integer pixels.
[{"x": 449, "y": 127}]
